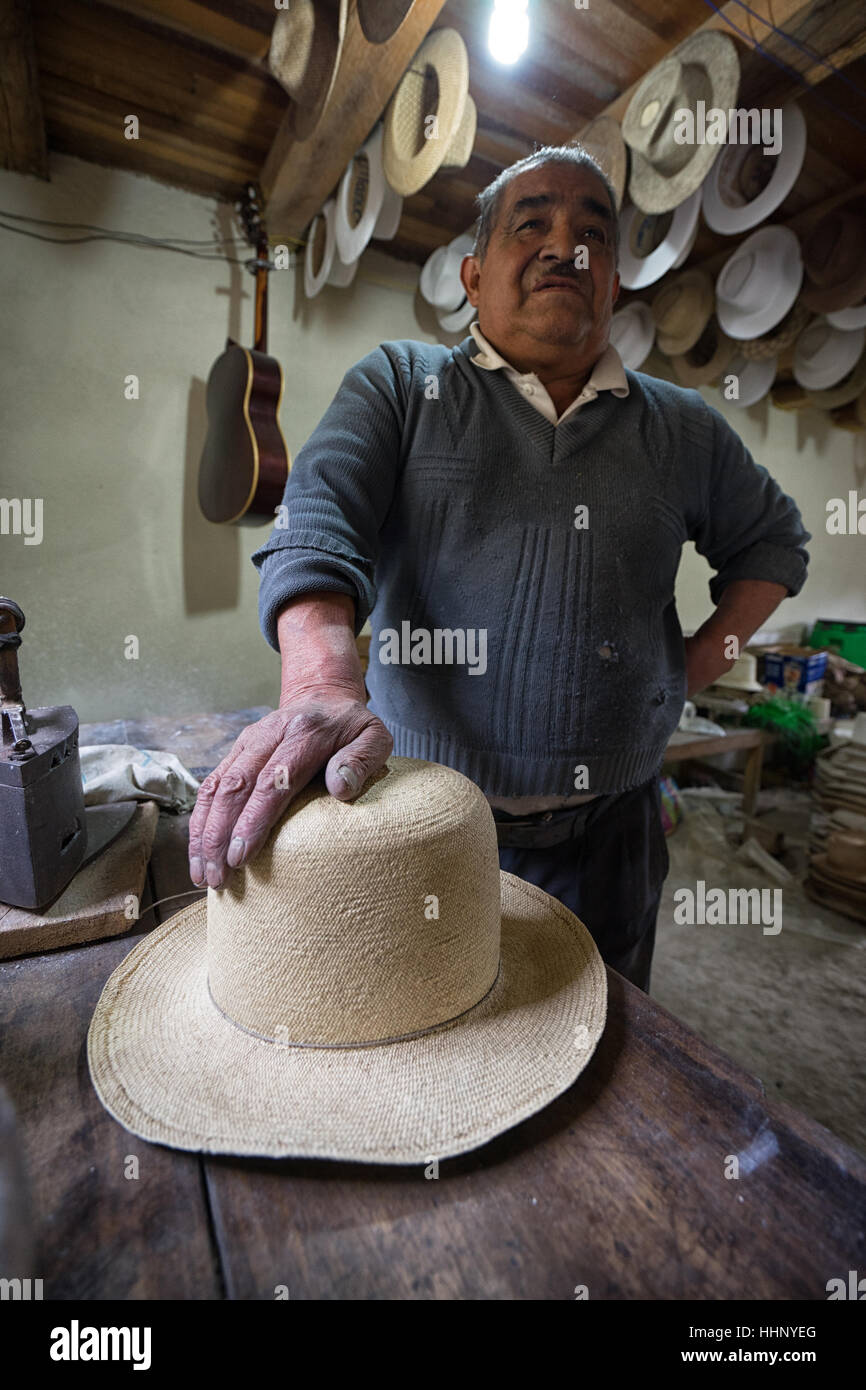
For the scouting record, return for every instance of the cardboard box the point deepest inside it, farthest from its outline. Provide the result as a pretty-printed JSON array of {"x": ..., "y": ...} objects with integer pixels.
[{"x": 795, "y": 671}]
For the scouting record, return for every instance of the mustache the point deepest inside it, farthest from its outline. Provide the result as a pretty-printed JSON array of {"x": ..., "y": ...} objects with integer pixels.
[{"x": 565, "y": 271}]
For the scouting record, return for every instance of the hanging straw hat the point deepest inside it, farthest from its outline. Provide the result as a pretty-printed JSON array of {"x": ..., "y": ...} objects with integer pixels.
[
  {"x": 663, "y": 172},
  {"x": 834, "y": 259},
  {"x": 779, "y": 338},
  {"x": 632, "y": 333},
  {"x": 370, "y": 987},
  {"x": 706, "y": 361},
  {"x": 758, "y": 285},
  {"x": 824, "y": 354},
  {"x": 848, "y": 389},
  {"x": 651, "y": 245},
  {"x": 436, "y": 84},
  {"x": 304, "y": 56},
  {"x": 602, "y": 138},
  {"x": 745, "y": 185},
  {"x": 380, "y": 19},
  {"x": 681, "y": 310},
  {"x": 754, "y": 377}
]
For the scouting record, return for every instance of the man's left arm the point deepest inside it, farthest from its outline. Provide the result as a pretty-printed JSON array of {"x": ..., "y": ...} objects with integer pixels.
[{"x": 752, "y": 534}]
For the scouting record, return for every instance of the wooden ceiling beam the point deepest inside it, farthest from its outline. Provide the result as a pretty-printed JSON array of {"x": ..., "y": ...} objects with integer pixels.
[
  {"x": 298, "y": 175},
  {"x": 22, "y": 128}
]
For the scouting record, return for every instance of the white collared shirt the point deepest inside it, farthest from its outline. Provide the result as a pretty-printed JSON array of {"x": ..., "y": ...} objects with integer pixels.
[{"x": 608, "y": 374}]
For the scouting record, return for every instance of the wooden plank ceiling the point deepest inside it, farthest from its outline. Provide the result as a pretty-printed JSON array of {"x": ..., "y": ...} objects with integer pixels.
[{"x": 194, "y": 72}]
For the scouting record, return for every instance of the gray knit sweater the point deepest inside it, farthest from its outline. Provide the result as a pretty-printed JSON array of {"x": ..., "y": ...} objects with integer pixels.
[{"x": 519, "y": 576}]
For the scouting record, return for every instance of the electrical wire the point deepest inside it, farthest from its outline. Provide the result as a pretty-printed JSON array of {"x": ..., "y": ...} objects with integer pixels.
[
  {"x": 823, "y": 101},
  {"x": 804, "y": 48},
  {"x": 181, "y": 245}
]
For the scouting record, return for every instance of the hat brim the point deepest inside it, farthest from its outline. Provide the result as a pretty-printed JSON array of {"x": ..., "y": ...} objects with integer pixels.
[{"x": 172, "y": 1069}]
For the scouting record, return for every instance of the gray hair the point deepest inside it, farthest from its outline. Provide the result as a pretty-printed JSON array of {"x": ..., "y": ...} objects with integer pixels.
[{"x": 489, "y": 200}]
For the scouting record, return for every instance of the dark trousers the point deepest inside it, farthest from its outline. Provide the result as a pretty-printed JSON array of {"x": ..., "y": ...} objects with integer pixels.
[{"x": 607, "y": 861}]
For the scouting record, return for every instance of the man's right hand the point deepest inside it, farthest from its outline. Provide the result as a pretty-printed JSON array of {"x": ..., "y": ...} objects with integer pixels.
[
  {"x": 323, "y": 721},
  {"x": 273, "y": 760}
]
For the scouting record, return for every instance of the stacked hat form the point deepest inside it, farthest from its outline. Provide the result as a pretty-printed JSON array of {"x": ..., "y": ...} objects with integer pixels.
[
  {"x": 824, "y": 355},
  {"x": 702, "y": 73},
  {"x": 835, "y": 263},
  {"x": 431, "y": 118},
  {"x": 441, "y": 286},
  {"x": 651, "y": 244},
  {"x": 380, "y": 19},
  {"x": 602, "y": 138},
  {"x": 838, "y": 877},
  {"x": 681, "y": 310},
  {"x": 745, "y": 185},
  {"x": 704, "y": 363},
  {"x": 743, "y": 675},
  {"x": 758, "y": 284},
  {"x": 370, "y": 987},
  {"x": 304, "y": 56},
  {"x": 322, "y": 264},
  {"x": 840, "y": 772},
  {"x": 748, "y": 380},
  {"x": 632, "y": 333},
  {"x": 366, "y": 205}
]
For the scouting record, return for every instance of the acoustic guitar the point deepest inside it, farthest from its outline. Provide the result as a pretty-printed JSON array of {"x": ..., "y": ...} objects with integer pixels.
[{"x": 245, "y": 461}]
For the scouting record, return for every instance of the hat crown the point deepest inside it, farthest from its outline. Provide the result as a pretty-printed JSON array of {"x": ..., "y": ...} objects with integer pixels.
[{"x": 366, "y": 921}]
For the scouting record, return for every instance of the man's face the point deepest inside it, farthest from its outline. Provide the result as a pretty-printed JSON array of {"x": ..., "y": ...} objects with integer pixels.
[{"x": 529, "y": 293}]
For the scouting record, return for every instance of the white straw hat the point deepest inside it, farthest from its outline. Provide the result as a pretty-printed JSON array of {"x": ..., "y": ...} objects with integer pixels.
[
  {"x": 366, "y": 204},
  {"x": 755, "y": 376},
  {"x": 322, "y": 264},
  {"x": 759, "y": 283},
  {"x": 602, "y": 138},
  {"x": 745, "y": 185},
  {"x": 824, "y": 354},
  {"x": 370, "y": 987},
  {"x": 651, "y": 244},
  {"x": 632, "y": 333},
  {"x": 440, "y": 282}
]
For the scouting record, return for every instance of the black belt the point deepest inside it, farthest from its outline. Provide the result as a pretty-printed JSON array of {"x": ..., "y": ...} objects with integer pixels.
[{"x": 545, "y": 828}]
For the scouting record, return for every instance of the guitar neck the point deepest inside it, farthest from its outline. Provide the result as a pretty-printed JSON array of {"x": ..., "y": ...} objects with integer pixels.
[{"x": 260, "y": 343}]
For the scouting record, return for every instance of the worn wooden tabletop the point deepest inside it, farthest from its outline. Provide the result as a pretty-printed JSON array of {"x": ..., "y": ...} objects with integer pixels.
[{"x": 619, "y": 1187}]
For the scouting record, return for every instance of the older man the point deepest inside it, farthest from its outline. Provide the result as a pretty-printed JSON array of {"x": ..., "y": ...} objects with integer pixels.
[{"x": 510, "y": 514}]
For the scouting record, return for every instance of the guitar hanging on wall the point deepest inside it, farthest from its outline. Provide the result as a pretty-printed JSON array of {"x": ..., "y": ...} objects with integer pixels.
[{"x": 245, "y": 461}]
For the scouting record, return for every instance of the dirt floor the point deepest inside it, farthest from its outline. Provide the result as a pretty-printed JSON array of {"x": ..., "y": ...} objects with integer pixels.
[{"x": 790, "y": 1007}]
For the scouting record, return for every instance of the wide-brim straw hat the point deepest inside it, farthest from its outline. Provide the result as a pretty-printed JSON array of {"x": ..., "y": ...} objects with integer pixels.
[
  {"x": 706, "y": 361},
  {"x": 440, "y": 282},
  {"x": 681, "y": 309},
  {"x": 834, "y": 259},
  {"x": 370, "y": 987},
  {"x": 745, "y": 186},
  {"x": 775, "y": 342},
  {"x": 304, "y": 56},
  {"x": 663, "y": 172},
  {"x": 824, "y": 354},
  {"x": 758, "y": 285},
  {"x": 845, "y": 858},
  {"x": 436, "y": 84},
  {"x": 602, "y": 138}
]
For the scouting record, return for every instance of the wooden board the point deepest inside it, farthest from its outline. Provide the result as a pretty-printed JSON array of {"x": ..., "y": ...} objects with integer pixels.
[
  {"x": 94, "y": 904},
  {"x": 619, "y": 1185}
]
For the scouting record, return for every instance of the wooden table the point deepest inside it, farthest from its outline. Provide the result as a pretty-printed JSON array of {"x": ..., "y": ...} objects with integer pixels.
[
  {"x": 619, "y": 1185},
  {"x": 682, "y": 746}
]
